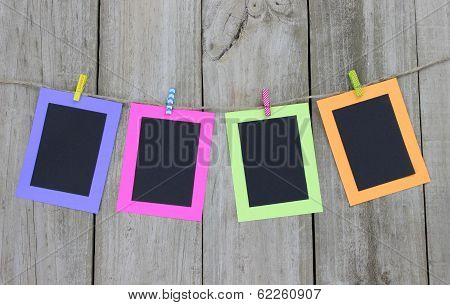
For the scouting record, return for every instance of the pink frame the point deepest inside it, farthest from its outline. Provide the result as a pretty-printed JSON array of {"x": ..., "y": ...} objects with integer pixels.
[{"x": 124, "y": 201}]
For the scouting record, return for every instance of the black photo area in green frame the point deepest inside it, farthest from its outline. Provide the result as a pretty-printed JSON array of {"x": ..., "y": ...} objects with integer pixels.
[{"x": 273, "y": 162}]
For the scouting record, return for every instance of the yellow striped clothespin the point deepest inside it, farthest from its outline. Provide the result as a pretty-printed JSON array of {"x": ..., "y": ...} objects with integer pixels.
[{"x": 80, "y": 87}]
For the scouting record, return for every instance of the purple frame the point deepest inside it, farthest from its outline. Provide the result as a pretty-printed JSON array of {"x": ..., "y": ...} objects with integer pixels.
[{"x": 89, "y": 203}]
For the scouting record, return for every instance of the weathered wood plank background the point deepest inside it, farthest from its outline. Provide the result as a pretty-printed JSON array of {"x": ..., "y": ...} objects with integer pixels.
[
  {"x": 218, "y": 54},
  {"x": 382, "y": 242}
]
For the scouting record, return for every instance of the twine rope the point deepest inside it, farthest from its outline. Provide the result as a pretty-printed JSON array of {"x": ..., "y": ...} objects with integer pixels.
[{"x": 226, "y": 109}]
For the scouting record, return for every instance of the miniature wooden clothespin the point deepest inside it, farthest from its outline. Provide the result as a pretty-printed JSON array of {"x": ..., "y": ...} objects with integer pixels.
[
  {"x": 355, "y": 82},
  {"x": 170, "y": 101},
  {"x": 266, "y": 101},
  {"x": 80, "y": 87}
]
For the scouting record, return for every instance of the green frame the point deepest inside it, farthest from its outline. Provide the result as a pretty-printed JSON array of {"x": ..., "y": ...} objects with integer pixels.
[{"x": 311, "y": 205}]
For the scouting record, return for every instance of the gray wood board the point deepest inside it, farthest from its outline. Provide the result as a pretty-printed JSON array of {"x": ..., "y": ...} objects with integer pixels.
[
  {"x": 146, "y": 47},
  {"x": 382, "y": 241},
  {"x": 225, "y": 52},
  {"x": 433, "y": 42},
  {"x": 248, "y": 46},
  {"x": 49, "y": 42}
]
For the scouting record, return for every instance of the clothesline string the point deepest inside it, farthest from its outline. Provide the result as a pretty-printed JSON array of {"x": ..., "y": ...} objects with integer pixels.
[{"x": 218, "y": 109}]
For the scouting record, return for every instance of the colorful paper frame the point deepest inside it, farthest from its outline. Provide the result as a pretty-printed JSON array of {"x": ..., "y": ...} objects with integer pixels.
[
  {"x": 125, "y": 202},
  {"x": 311, "y": 205},
  {"x": 90, "y": 203},
  {"x": 390, "y": 87}
]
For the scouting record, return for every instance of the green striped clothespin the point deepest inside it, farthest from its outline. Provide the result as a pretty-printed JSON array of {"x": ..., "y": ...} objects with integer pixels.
[{"x": 355, "y": 82}]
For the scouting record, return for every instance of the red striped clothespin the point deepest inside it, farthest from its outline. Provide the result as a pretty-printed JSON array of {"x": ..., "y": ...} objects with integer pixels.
[{"x": 266, "y": 101}]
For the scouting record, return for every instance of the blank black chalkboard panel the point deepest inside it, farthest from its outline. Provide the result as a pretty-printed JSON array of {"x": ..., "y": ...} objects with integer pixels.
[
  {"x": 373, "y": 142},
  {"x": 68, "y": 149},
  {"x": 273, "y": 163},
  {"x": 167, "y": 156}
]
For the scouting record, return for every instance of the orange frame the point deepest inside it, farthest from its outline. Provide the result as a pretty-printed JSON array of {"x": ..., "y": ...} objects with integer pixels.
[{"x": 390, "y": 87}]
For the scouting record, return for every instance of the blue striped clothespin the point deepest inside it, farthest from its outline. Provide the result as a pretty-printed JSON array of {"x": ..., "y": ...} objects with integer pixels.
[{"x": 170, "y": 101}]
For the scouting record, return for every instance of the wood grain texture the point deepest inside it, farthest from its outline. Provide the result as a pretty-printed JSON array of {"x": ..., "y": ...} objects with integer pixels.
[
  {"x": 249, "y": 45},
  {"x": 433, "y": 42},
  {"x": 49, "y": 42},
  {"x": 145, "y": 48},
  {"x": 382, "y": 241}
]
